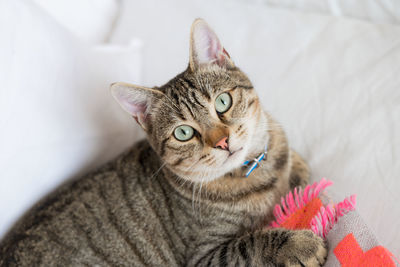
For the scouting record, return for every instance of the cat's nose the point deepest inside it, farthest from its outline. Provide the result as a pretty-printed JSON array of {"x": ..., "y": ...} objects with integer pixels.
[{"x": 223, "y": 143}]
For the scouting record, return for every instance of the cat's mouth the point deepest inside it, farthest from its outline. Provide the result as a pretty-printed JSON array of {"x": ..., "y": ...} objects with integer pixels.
[{"x": 232, "y": 154}]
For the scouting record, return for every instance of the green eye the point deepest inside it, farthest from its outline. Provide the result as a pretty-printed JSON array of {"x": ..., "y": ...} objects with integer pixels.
[
  {"x": 223, "y": 102},
  {"x": 183, "y": 133}
]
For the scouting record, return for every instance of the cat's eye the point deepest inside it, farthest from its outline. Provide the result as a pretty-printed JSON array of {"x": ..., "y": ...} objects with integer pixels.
[
  {"x": 183, "y": 132},
  {"x": 223, "y": 102}
]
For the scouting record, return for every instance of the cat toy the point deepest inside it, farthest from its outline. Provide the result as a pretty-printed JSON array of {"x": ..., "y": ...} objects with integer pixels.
[{"x": 350, "y": 242}]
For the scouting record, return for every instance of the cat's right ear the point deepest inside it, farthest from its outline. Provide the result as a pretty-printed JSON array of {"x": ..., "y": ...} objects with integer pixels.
[
  {"x": 205, "y": 47},
  {"x": 136, "y": 100}
]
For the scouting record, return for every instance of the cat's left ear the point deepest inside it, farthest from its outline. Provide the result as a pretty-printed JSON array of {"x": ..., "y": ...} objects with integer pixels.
[
  {"x": 205, "y": 47},
  {"x": 136, "y": 100}
]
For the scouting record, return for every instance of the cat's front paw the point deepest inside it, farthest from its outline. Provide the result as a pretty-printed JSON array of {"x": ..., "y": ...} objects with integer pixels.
[{"x": 303, "y": 248}]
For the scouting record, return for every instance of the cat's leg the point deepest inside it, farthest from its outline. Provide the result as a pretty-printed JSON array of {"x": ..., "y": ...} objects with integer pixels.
[
  {"x": 273, "y": 247},
  {"x": 300, "y": 172}
]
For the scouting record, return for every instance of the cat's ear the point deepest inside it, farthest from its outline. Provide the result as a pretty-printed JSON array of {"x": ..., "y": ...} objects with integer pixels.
[
  {"x": 136, "y": 100},
  {"x": 205, "y": 47}
]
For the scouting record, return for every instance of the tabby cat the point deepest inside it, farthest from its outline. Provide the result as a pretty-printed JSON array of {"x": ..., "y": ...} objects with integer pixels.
[{"x": 181, "y": 197}]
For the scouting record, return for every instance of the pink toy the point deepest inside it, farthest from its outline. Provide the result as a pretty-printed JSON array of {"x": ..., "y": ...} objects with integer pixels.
[{"x": 349, "y": 240}]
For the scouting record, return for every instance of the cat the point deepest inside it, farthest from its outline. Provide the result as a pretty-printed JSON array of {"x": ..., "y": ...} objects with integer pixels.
[{"x": 181, "y": 197}]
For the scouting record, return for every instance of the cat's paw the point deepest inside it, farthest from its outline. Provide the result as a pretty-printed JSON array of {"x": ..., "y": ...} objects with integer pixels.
[{"x": 303, "y": 248}]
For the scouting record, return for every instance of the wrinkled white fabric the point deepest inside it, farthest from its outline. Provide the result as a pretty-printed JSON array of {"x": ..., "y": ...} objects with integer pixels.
[{"x": 377, "y": 11}]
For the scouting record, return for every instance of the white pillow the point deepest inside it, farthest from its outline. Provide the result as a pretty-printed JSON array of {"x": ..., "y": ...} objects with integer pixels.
[
  {"x": 57, "y": 116},
  {"x": 90, "y": 20}
]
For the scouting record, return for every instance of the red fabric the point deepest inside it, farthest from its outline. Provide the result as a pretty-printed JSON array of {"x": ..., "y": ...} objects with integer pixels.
[
  {"x": 302, "y": 217},
  {"x": 349, "y": 254}
]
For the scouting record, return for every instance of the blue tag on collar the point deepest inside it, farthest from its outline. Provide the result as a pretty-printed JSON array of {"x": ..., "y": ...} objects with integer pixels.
[{"x": 255, "y": 162}]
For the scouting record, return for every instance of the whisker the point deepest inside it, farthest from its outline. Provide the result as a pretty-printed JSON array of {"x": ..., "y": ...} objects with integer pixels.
[
  {"x": 159, "y": 169},
  {"x": 192, "y": 165}
]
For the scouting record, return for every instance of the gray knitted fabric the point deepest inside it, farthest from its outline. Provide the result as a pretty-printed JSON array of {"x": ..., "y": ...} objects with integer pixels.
[{"x": 352, "y": 224}]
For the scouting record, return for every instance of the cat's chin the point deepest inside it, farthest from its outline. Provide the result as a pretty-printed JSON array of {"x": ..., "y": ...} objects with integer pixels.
[
  {"x": 228, "y": 162},
  {"x": 232, "y": 162},
  {"x": 234, "y": 159}
]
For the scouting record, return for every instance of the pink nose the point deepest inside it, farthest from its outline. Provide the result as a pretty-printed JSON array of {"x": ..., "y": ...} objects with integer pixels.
[{"x": 223, "y": 143}]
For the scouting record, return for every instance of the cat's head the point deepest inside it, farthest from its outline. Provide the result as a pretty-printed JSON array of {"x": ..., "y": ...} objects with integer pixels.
[{"x": 205, "y": 121}]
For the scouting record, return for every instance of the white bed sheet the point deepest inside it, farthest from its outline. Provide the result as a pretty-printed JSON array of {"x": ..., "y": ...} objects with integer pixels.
[
  {"x": 377, "y": 11},
  {"x": 333, "y": 83}
]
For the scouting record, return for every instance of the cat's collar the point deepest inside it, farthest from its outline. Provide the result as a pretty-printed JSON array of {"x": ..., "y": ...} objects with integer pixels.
[{"x": 252, "y": 164}]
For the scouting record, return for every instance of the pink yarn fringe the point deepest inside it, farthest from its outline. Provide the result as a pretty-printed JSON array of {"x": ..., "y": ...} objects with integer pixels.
[
  {"x": 329, "y": 215},
  {"x": 325, "y": 219},
  {"x": 297, "y": 200}
]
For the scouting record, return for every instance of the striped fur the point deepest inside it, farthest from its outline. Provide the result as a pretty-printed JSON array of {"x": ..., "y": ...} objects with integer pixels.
[{"x": 171, "y": 203}]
